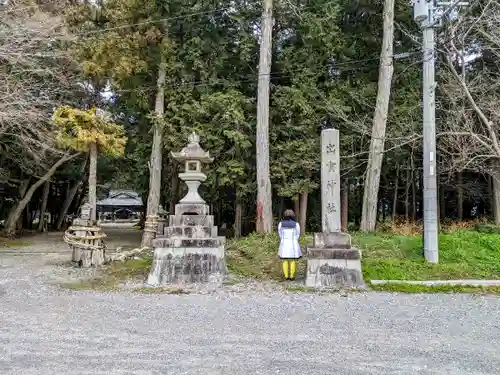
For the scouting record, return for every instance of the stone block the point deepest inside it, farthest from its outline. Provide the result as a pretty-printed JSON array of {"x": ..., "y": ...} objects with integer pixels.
[
  {"x": 203, "y": 220},
  {"x": 335, "y": 240},
  {"x": 163, "y": 242},
  {"x": 187, "y": 266},
  {"x": 188, "y": 231},
  {"x": 192, "y": 208},
  {"x": 336, "y": 273},
  {"x": 335, "y": 268}
]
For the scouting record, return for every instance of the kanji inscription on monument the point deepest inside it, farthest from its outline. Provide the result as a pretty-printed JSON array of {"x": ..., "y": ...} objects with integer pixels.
[{"x": 330, "y": 181}]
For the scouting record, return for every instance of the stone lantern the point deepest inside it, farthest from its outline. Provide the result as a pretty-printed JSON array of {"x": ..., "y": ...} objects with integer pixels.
[
  {"x": 189, "y": 250},
  {"x": 192, "y": 156}
]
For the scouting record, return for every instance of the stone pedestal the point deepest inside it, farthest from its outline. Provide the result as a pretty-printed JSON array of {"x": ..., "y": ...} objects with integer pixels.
[
  {"x": 332, "y": 262},
  {"x": 189, "y": 251}
]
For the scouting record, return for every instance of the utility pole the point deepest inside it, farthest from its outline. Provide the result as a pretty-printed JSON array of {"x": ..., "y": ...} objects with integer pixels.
[
  {"x": 431, "y": 247},
  {"x": 424, "y": 13}
]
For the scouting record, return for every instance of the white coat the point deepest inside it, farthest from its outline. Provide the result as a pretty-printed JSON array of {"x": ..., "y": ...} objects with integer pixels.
[{"x": 289, "y": 240}]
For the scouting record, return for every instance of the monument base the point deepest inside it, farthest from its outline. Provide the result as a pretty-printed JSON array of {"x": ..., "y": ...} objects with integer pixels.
[
  {"x": 188, "y": 251},
  {"x": 332, "y": 262},
  {"x": 187, "y": 266}
]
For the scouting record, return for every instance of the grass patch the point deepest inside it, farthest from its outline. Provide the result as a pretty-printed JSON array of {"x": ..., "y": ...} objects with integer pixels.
[
  {"x": 406, "y": 288},
  {"x": 115, "y": 274},
  {"x": 257, "y": 256},
  {"x": 464, "y": 254},
  {"x": 4, "y": 242}
]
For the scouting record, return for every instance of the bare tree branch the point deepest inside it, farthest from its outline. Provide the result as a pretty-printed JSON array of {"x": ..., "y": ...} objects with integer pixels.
[{"x": 37, "y": 74}]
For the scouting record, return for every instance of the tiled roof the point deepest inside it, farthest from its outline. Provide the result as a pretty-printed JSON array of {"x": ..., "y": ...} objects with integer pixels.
[{"x": 121, "y": 198}]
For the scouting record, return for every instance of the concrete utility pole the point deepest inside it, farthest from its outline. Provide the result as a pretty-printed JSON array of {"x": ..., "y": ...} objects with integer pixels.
[
  {"x": 424, "y": 13},
  {"x": 431, "y": 247}
]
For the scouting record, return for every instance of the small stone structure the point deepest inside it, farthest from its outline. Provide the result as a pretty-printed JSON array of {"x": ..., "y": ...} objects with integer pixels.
[
  {"x": 189, "y": 249},
  {"x": 86, "y": 240},
  {"x": 331, "y": 261}
]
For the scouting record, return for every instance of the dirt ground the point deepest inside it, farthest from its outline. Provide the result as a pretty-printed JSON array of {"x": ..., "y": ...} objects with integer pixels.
[
  {"x": 123, "y": 236},
  {"x": 47, "y": 255}
]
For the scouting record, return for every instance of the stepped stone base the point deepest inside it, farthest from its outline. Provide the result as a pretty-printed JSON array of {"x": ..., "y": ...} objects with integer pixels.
[
  {"x": 332, "y": 262},
  {"x": 188, "y": 250},
  {"x": 187, "y": 266}
]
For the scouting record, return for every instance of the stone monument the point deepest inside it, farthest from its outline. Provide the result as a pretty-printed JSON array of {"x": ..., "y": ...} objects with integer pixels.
[
  {"x": 331, "y": 261},
  {"x": 189, "y": 249}
]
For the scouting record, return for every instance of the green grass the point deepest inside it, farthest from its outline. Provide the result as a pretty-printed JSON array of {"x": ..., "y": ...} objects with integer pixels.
[
  {"x": 114, "y": 274},
  {"x": 406, "y": 288},
  {"x": 464, "y": 254},
  {"x": 13, "y": 243},
  {"x": 257, "y": 256}
]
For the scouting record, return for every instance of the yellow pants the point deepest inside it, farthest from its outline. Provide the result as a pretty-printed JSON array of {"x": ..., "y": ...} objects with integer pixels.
[{"x": 289, "y": 267}]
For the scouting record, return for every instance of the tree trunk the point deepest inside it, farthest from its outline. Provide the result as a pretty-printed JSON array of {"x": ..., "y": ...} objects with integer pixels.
[
  {"x": 22, "y": 191},
  {"x": 238, "y": 211},
  {"x": 25, "y": 221},
  {"x": 10, "y": 226},
  {"x": 495, "y": 176},
  {"x": 395, "y": 197},
  {"x": 407, "y": 195},
  {"x": 175, "y": 190},
  {"x": 67, "y": 203},
  {"x": 93, "y": 182},
  {"x": 81, "y": 196},
  {"x": 460, "y": 196},
  {"x": 414, "y": 198},
  {"x": 372, "y": 181},
  {"x": 296, "y": 206},
  {"x": 413, "y": 187},
  {"x": 281, "y": 207},
  {"x": 43, "y": 208},
  {"x": 491, "y": 196},
  {"x": 303, "y": 211},
  {"x": 264, "y": 192},
  {"x": 442, "y": 203},
  {"x": 344, "y": 207},
  {"x": 155, "y": 163},
  {"x": 70, "y": 197},
  {"x": 496, "y": 195}
]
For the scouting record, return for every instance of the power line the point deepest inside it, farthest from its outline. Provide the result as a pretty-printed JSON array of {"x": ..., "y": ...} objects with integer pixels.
[
  {"x": 154, "y": 21},
  {"x": 248, "y": 80}
]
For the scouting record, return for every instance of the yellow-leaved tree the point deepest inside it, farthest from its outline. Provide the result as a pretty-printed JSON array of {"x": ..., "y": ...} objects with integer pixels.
[{"x": 89, "y": 130}]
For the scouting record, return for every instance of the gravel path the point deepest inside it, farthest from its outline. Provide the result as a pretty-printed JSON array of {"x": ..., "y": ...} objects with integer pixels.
[{"x": 47, "y": 330}]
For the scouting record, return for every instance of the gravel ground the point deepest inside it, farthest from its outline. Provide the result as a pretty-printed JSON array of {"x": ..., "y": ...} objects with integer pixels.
[{"x": 48, "y": 330}]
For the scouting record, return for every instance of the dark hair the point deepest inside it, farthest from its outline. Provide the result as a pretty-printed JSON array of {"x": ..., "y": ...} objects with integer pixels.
[{"x": 289, "y": 215}]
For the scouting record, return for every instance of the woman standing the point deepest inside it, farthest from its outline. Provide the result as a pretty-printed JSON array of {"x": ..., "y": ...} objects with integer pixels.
[{"x": 289, "y": 251}]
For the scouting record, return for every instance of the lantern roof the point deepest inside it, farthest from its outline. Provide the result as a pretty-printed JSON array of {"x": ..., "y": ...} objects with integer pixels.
[{"x": 193, "y": 151}]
